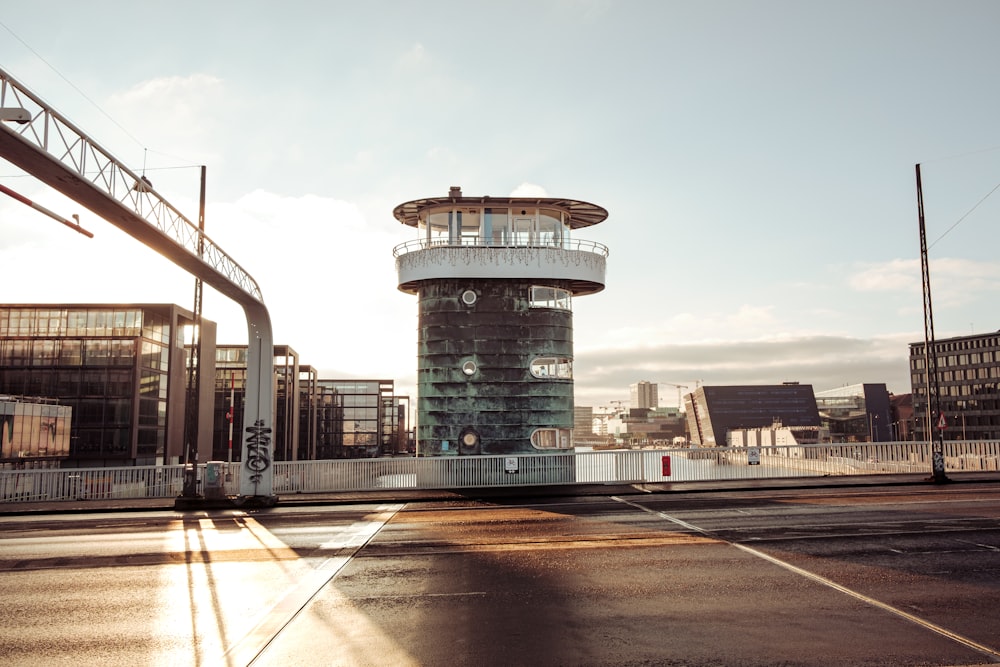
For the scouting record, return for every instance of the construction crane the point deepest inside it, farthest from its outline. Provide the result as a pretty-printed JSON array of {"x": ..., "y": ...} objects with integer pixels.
[
  {"x": 613, "y": 410},
  {"x": 680, "y": 405}
]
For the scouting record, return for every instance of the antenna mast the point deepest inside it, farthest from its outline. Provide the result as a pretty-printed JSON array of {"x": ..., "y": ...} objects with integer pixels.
[{"x": 930, "y": 355}]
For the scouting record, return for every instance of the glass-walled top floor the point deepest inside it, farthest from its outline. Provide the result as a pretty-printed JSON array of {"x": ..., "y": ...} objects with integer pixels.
[
  {"x": 490, "y": 225},
  {"x": 486, "y": 237}
]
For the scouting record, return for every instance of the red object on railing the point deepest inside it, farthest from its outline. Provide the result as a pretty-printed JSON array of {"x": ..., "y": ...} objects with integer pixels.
[{"x": 666, "y": 466}]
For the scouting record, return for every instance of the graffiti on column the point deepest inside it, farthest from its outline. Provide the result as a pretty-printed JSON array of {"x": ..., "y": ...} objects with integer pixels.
[{"x": 258, "y": 449}]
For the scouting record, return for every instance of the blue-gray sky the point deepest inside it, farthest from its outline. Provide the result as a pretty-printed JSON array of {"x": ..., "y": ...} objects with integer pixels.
[{"x": 756, "y": 157}]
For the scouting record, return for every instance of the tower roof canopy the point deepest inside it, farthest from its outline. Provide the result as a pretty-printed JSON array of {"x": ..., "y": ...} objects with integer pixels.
[{"x": 578, "y": 213}]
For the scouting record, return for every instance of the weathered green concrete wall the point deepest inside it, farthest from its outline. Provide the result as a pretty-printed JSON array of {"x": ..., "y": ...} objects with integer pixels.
[{"x": 501, "y": 402}]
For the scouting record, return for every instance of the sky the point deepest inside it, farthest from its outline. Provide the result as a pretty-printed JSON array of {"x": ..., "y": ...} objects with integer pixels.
[{"x": 757, "y": 160}]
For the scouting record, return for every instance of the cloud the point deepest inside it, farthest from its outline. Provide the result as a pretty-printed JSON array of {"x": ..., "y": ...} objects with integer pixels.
[
  {"x": 529, "y": 190},
  {"x": 601, "y": 375},
  {"x": 175, "y": 117},
  {"x": 588, "y": 10},
  {"x": 326, "y": 274},
  {"x": 954, "y": 281},
  {"x": 896, "y": 274},
  {"x": 414, "y": 58},
  {"x": 52, "y": 263},
  {"x": 328, "y": 279},
  {"x": 442, "y": 155},
  {"x": 748, "y": 322},
  {"x": 179, "y": 97}
]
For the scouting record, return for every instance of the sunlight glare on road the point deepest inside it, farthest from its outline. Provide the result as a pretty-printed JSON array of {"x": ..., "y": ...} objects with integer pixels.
[
  {"x": 236, "y": 585},
  {"x": 230, "y": 571}
]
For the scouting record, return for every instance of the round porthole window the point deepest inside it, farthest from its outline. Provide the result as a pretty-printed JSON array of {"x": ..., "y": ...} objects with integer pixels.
[
  {"x": 468, "y": 297},
  {"x": 468, "y": 441},
  {"x": 469, "y": 367}
]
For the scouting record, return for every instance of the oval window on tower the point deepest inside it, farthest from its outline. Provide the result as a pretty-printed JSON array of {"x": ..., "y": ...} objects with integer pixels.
[
  {"x": 551, "y": 438},
  {"x": 468, "y": 297},
  {"x": 548, "y": 368},
  {"x": 469, "y": 367},
  {"x": 550, "y": 297}
]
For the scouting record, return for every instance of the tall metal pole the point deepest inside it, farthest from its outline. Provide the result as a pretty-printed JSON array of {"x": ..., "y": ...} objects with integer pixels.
[
  {"x": 934, "y": 428},
  {"x": 190, "y": 488},
  {"x": 231, "y": 415}
]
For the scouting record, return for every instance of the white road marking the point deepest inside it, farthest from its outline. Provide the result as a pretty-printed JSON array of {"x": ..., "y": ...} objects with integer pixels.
[
  {"x": 245, "y": 650},
  {"x": 986, "y": 650}
]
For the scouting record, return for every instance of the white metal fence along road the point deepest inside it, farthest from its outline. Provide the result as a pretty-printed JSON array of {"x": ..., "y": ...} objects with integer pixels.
[{"x": 602, "y": 467}]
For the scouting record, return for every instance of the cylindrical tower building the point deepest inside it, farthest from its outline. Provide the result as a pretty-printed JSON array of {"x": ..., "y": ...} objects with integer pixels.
[{"x": 495, "y": 278}]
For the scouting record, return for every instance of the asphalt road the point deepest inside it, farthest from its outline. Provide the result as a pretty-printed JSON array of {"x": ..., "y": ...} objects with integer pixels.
[{"x": 838, "y": 576}]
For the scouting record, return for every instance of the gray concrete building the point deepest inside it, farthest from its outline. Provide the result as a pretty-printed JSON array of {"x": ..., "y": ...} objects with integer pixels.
[{"x": 968, "y": 373}]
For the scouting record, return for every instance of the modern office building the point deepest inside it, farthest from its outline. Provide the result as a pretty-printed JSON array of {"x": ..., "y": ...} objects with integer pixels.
[
  {"x": 585, "y": 427},
  {"x": 495, "y": 278},
  {"x": 902, "y": 416},
  {"x": 230, "y": 392},
  {"x": 714, "y": 411},
  {"x": 308, "y": 412},
  {"x": 121, "y": 372},
  {"x": 357, "y": 419},
  {"x": 583, "y": 420},
  {"x": 314, "y": 418},
  {"x": 644, "y": 395},
  {"x": 120, "y": 368},
  {"x": 968, "y": 374},
  {"x": 648, "y": 426},
  {"x": 857, "y": 413},
  {"x": 397, "y": 438},
  {"x": 351, "y": 419}
]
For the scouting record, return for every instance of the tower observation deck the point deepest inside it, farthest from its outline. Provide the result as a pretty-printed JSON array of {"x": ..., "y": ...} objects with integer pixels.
[{"x": 495, "y": 278}]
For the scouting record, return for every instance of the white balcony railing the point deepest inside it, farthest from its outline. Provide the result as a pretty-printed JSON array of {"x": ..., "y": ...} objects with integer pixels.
[
  {"x": 488, "y": 242},
  {"x": 580, "y": 263},
  {"x": 605, "y": 467}
]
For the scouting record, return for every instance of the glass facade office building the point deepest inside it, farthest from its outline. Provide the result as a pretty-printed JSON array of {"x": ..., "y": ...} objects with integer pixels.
[
  {"x": 120, "y": 368},
  {"x": 230, "y": 393},
  {"x": 313, "y": 418},
  {"x": 121, "y": 371},
  {"x": 858, "y": 413},
  {"x": 356, "y": 419}
]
